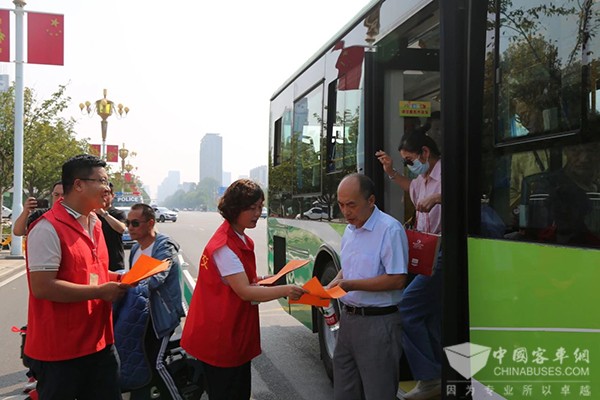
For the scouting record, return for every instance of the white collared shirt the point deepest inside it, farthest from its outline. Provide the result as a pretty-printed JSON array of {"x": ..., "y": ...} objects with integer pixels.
[
  {"x": 43, "y": 244},
  {"x": 378, "y": 247}
]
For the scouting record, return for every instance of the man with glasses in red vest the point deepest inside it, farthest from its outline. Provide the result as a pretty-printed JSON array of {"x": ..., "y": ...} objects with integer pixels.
[{"x": 70, "y": 333}]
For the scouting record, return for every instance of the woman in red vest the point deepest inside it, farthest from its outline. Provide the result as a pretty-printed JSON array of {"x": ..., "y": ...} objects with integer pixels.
[{"x": 222, "y": 326}]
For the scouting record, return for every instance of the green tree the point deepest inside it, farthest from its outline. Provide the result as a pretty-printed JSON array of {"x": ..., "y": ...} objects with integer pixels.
[
  {"x": 6, "y": 140},
  {"x": 48, "y": 140}
]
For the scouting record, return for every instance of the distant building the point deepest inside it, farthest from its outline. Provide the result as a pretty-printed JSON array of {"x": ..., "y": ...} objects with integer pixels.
[
  {"x": 259, "y": 174},
  {"x": 168, "y": 186},
  {"x": 146, "y": 188},
  {"x": 211, "y": 157},
  {"x": 226, "y": 178},
  {"x": 187, "y": 186}
]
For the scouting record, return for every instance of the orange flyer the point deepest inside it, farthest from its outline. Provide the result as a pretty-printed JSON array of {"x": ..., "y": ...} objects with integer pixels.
[
  {"x": 289, "y": 267},
  {"x": 143, "y": 268},
  {"x": 317, "y": 295}
]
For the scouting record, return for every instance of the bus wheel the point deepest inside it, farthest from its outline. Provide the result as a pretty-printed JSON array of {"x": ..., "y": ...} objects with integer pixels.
[{"x": 327, "y": 338}]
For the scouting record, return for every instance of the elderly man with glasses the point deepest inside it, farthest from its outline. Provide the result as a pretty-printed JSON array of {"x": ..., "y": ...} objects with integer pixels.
[{"x": 164, "y": 294}]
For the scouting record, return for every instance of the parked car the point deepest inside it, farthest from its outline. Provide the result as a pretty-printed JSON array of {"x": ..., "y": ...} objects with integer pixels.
[
  {"x": 164, "y": 214},
  {"x": 6, "y": 212},
  {"x": 128, "y": 242},
  {"x": 264, "y": 212},
  {"x": 126, "y": 237},
  {"x": 314, "y": 213}
]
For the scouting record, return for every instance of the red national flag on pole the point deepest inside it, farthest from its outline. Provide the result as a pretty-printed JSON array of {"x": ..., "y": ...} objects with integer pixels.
[
  {"x": 112, "y": 153},
  {"x": 45, "y": 38},
  {"x": 5, "y": 35},
  {"x": 127, "y": 177},
  {"x": 95, "y": 150}
]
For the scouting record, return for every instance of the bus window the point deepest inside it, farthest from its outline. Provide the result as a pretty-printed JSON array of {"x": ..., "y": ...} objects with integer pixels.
[
  {"x": 277, "y": 143},
  {"x": 534, "y": 80},
  {"x": 343, "y": 141},
  {"x": 539, "y": 63},
  {"x": 306, "y": 139}
]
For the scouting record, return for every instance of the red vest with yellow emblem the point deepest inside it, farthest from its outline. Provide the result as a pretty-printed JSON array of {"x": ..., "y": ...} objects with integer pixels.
[
  {"x": 221, "y": 329},
  {"x": 63, "y": 331}
]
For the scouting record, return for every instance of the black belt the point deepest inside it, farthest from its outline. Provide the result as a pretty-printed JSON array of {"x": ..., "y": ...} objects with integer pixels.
[{"x": 370, "y": 310}]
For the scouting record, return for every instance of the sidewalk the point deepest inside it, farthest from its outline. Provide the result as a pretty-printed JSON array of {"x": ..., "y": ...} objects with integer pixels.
[{"x": 9, "y": 265}]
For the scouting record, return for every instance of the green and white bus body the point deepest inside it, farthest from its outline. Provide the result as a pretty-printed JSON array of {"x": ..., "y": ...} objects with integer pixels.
[{"x": 517, "y": 85}]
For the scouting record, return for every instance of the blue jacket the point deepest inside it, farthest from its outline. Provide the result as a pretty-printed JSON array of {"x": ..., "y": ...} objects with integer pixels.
[
  {"x": 166, "y": 308},
  {"x": 130, "y": 317}
]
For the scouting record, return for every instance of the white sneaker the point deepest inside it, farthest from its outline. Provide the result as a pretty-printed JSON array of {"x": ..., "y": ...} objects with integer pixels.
[
  {"x": 425, "y": 390},
  {"x": 30, "y": 385}
]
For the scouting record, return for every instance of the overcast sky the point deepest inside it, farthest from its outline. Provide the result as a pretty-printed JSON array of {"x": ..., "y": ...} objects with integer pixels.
[{"x": 184, "y": 68}]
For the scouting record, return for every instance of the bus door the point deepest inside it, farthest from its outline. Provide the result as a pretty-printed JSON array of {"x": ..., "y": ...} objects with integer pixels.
[{"x": 408, "y": 61}]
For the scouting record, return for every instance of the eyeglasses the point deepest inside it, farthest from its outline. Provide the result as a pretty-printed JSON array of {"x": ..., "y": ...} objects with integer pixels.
[
  {"x": 103, "y": 181},
  {"x": 407, "y": 162},
  {"x": 134, "y": 222}
]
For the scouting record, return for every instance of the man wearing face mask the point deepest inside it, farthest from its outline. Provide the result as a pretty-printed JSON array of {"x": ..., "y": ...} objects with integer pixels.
[{"x": 421, "y": 305}]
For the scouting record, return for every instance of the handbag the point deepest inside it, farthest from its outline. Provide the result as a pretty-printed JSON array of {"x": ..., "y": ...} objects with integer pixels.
[{"x": 423, "y": 249}]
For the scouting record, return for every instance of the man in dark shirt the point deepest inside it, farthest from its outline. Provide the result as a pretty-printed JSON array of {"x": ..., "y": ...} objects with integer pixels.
[{"x": 113, "y": 226}]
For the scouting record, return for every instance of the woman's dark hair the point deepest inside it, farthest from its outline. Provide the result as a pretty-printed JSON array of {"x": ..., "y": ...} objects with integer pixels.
[
  {"x": 238, "y": 197},
  {"x": 413, "y": 142}
]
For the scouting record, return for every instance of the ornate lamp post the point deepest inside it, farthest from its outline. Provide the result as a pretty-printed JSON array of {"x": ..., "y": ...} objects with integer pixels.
[
  {"x": 123, "y": 153},
  {"x": 128, "y": 167},
  {"x": 104, "y": 108}
]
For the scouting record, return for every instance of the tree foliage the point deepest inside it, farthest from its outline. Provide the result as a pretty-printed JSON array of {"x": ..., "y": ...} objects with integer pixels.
[
  {"x": 203, "y": 194},
  {"x": 48, "y": 140}
]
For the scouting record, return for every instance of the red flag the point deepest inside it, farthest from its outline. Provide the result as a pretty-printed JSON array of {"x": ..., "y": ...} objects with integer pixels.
[
  {"x": 95, "y": 150},
  {"x": 112, "y": 153},
  {"x": 45, "y": 38},
  {"x": 5, "y": 35},
  {"x": 349, "y": 66},
  {"x": 127, "y": 177}
]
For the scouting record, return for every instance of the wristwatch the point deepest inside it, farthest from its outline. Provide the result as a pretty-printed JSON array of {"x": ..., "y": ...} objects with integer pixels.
[{"x": 392, "y": 176}]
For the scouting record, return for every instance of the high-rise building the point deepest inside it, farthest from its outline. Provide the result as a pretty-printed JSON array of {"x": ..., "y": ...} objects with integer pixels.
[
  {"x": 168, "y": 186},
  {"x": 211, "y": 157},
  {"x": 226, "y": 178},
  {"x": 259, "y": 175}
]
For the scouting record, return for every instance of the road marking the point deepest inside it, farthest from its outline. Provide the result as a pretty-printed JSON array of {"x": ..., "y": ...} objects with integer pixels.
[{"x": 12, "y": 278}]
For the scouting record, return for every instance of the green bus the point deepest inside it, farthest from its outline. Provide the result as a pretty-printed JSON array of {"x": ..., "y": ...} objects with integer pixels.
[{"x": 517, "y": 85}]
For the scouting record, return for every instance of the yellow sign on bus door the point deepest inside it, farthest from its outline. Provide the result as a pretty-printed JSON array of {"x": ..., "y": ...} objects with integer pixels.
[{"x": 415, "y": 108}]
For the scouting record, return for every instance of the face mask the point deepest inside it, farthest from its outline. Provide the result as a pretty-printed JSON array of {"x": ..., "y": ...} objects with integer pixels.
[{"x": 418, "y": 167}]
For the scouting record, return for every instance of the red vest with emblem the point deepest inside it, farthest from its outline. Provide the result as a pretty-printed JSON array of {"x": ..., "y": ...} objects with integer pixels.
[
  {"x": 221, "y": 329},
  {"x": 63, "y": 331}
]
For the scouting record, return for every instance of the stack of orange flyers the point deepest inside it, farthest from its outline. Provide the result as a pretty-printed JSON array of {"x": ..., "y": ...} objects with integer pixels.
[
  {"x": 317, "y": 295},
  {"x": 289, "y": 267},
  {"x": 143, "y": 268}
]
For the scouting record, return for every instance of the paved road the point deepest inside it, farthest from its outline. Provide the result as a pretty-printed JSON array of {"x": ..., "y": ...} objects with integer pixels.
[{"x": 288, "y": 369}]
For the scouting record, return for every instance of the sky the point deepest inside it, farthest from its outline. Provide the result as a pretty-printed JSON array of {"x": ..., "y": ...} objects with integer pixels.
[{"x": 184, "y": 69}]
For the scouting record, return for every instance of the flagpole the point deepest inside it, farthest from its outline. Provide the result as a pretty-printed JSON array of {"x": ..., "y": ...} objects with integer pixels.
[{"x": 16, "y": 249}]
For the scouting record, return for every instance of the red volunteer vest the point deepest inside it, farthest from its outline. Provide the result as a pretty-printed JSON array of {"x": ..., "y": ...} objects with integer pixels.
[
  {"x": 63, "y": 331},
  {"x": 221, "y": 329}
]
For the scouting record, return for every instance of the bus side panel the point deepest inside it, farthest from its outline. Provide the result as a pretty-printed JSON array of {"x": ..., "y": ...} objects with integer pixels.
[{"x": 527, "y": 304}]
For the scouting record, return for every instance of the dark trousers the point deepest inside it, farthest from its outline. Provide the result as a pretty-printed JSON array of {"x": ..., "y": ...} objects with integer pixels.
[
  {"x": 228, "y": 383},
  {"x": 155, "y": 351},
  {"x": 421, "y": 309},
  {"x": 366, "y": 360},
  {"x": 91, "y": 377}
]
